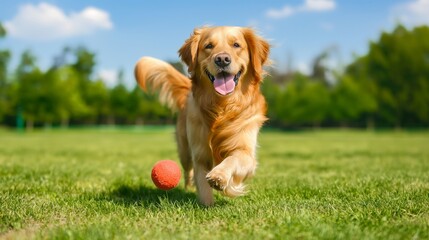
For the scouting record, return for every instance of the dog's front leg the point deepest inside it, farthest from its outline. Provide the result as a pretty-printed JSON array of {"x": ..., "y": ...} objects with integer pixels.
[
  {"x": 229, "y": 175},
  {"x": 205, "y": 192}
]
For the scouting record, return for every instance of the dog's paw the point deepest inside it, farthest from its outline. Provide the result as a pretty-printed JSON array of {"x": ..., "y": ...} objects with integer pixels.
[
  {"x": 217, "y": 180},
  {"x": 207, "y": 202}
]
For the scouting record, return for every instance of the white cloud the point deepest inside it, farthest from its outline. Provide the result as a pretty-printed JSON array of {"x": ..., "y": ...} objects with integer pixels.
[
  {"x": 109, "y": 76},
  {"x": 45, "y": 22},
  {"x": 318, "y": 5},
  {"x": 307, "y": 6},
  {"x": 412, "y": 13}
]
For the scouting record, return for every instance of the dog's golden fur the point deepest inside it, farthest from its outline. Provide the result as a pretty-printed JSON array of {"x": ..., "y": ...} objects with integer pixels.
[{"x": 217, "y": 127}]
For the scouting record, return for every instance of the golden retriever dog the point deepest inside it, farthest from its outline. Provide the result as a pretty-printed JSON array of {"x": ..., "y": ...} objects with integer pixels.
[{"x": 220, "y": 107}]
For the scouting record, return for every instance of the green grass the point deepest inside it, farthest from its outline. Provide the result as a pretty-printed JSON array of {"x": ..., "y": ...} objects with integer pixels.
[{"x": 95, "y": 184}]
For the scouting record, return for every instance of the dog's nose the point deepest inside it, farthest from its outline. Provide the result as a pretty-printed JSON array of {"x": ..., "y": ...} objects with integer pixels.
[{"x": 223, "y": 59}]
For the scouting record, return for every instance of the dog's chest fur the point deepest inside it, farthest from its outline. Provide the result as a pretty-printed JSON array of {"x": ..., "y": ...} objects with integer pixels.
[{"x": 221, "y": 124}]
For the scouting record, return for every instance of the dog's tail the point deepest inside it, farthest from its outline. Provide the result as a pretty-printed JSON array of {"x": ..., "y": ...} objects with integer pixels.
[{"x": 156, "y": 75}]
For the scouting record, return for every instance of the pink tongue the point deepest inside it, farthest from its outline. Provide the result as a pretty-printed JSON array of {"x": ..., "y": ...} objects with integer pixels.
[{"x": 224, "y": 84}]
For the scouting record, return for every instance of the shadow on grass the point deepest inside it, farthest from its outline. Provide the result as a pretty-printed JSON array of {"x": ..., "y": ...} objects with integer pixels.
[{"x": 149, "y": 197}]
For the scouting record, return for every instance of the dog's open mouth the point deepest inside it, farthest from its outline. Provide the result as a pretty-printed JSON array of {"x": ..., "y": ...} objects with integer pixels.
[{"x": 224, "y": 83}]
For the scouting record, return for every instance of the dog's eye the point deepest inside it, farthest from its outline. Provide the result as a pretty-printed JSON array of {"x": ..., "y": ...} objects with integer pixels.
[
  {"x": 236, "y": 45},
  {"x": 209, "y": 46}
]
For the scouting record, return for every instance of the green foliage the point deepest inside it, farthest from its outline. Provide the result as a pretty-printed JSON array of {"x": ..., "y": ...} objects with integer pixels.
[
  {"x": 85, "y": 62},
  {"x": 118, "y": 101},
  {"x": 388, "y": 86},
  {"x": 96, "y": 100},
  {"x": 349, "y": 100},
  {"x": 47, "y": 97},
  {"x": 272, "y": 94},
  {"x": 398, "y": 64},
  {"x": 95, "y": 184},
  {"x": 153, "y": 110},
  {"x": 304, "y": 102},
  {"x": 4, "y": 60},
  {"x": 27, "y": 64},
  {"x": 67, "y": 93},
  {"x": 32, "y": 90},
  {"x": 69, "y": 101},
  {"x": 143, "y": 107},
  {"x": 2, "y": 31}
]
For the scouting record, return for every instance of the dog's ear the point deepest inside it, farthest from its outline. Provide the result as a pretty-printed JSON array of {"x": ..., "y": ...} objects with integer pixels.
[
  {"x": 188, "y": 52},
  {"x": 259, "y": 50}
]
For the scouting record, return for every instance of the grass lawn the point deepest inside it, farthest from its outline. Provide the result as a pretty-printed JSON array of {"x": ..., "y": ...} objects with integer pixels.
[{"x": 95, "y": 184}]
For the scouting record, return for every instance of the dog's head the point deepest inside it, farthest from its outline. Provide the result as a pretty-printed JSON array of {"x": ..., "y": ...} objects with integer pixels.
[{"x": 222, "y": 57}]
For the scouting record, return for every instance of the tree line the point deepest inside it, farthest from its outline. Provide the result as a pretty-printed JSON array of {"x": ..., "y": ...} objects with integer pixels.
[{"x": 386, "y": 87}]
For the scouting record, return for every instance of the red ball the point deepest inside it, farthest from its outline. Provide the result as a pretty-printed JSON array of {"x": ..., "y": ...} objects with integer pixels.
[{"x": 166, "y": 174}]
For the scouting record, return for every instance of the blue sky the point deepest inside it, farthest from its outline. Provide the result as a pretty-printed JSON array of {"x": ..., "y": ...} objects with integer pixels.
[{"x": 120, "y": 32}]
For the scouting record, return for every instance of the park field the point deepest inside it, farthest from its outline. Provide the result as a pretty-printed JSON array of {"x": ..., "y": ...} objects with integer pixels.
[{"x": 95, "y": 184}]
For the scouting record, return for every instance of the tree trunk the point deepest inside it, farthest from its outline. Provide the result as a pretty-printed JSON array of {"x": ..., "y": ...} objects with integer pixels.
[
  {"x": 139, "y": 121},
  {"x": 316, "y": 125},
  {"x": 370, "y": 124},
  {"x": 29, "y": 125},
  {"x": 48, "y": 125},
  {"x": 111, "y": 120},
  {"x": 64, "y": 123}
]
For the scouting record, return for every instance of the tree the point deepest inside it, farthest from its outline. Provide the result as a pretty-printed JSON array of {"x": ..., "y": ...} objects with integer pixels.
[
  {"x": 85, "y": 62},
  {"x": 84, "y": 65},
  {"x": 118, "y": 100},
  {"x": 358, "y": 71},
  {"x": 133, "y": 106},
  {"x": 4, "y": 60},
  {"x": 97, "y": 100},
  {"x": 349, "y": 100},
  {"x": 272, "y": 94},
  {"x": 64, "y": 88},
  {"x": 153, "y": 111},
  {"x": 41, "y": 95},
  {"x": 304, "y": 102},
  {"x": 320, "y": 68},
  {"x": 398, "y": 66},
  {"x": 29, "y": 89}
]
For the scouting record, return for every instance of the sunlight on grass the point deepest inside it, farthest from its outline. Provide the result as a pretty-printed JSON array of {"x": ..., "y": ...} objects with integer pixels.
[{"x": 85, "y": 184}]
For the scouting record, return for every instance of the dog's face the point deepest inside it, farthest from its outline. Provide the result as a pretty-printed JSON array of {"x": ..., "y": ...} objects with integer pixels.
[{"x": 221, "y": 57}]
